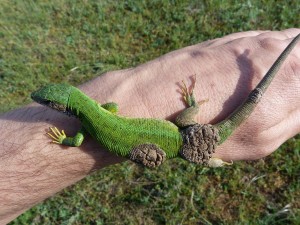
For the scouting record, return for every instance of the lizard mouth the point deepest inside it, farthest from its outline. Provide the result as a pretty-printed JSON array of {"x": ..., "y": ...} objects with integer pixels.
[
  {"x": 53, "y": 105},
  {"x": 58, "y": 107}
]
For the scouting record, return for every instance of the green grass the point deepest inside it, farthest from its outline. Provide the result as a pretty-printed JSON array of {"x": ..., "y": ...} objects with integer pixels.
[{"x": 73, "y": 41}]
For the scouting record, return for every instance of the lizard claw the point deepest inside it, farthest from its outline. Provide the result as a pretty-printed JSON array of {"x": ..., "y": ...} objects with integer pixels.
[
  {"x": 186, "y": 93},
  {"x": 56, "y": 136},
  {"x": 203, "y": 101}
]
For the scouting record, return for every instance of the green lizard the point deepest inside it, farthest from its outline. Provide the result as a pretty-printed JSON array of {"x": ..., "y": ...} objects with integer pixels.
[{"x": 150, "y": 141}]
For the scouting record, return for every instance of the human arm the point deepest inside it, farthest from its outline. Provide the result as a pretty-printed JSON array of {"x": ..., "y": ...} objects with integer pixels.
[{"x": 32, "y": 169}]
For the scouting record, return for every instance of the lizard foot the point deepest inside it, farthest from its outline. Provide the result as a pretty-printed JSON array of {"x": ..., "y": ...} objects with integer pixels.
[
  {"x": 199, "y": 143},
  {"x": 187, "y": 94},
  {"x": 216, "y": 162},
  {"x": 148, "y": 155},
  {"x": 56, "y": 136}
]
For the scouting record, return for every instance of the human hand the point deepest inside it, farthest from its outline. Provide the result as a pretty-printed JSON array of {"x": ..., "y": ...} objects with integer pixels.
[{"x": 227, "y": 69}]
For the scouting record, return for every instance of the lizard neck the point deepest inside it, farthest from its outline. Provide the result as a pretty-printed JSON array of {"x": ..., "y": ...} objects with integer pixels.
[{"x": 80, "y": 105}]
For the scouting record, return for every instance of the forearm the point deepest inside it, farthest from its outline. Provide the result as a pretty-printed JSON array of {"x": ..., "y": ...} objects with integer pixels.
[{"x": 32, "y": 169}]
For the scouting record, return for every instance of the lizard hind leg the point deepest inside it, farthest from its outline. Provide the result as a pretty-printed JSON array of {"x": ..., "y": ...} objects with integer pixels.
[
  {"x": 186, "y": 117},
  {"x": 199, "y": 143},
  {"x": 149, "y": 155}
]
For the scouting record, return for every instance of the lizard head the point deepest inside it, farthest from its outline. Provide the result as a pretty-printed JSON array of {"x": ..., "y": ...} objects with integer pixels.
[{"x": 55, "y": 96}]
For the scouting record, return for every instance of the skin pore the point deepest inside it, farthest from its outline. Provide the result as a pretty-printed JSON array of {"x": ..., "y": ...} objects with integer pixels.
[{"x": 227, "y": 69}]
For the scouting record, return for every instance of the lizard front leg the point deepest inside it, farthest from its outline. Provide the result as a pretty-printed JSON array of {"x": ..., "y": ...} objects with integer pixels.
[
  {"x": 111, "y": 106},
  {"x": 59, "y": 137},
  {"x": 200, "y": 140}
]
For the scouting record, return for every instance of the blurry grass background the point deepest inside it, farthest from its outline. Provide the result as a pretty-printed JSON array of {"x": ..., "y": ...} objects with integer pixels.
[{"x": 73, "y": 41}]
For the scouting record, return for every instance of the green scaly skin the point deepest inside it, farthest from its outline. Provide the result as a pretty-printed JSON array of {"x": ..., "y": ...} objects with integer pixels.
[
  {"x": 120, "y": 135},
  {"x": 116, "y": 133},
  {"x": 238, "y": 116}
]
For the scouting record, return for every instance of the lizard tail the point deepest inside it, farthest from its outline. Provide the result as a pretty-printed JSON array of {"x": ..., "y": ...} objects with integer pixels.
[{"x": 227, "y": 126}]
